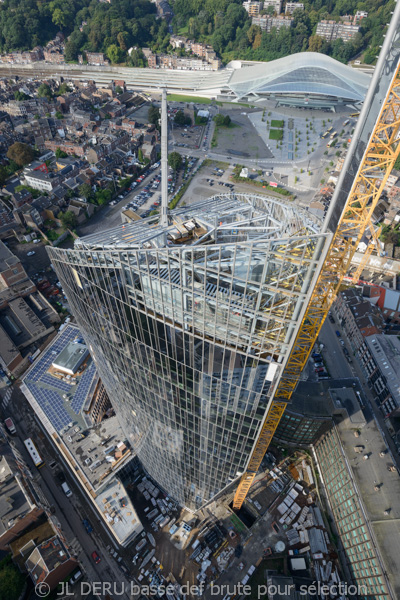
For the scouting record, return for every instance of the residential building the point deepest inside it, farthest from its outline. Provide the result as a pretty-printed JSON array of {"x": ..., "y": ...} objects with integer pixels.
[
  {"x": 66, "y": 393},
  {"x": 330, "y": 30},
  {"x": 379, "y": 357},
  {"x": 73, "y": 147},
  {"x": 50, "y": 562},
  {"x": 54, "y": 57},
  {"x": 290, "y": 7},
  {"x": 253, "y": 8},
  {"x": 388, "y": 301},
  {"x": 38, "y": 180},
  {"x": 267, "y": 23},
  {"x": 15, "y": 500},
  {"x": 359, "y": 16},
  {"x": 358, "y": 317},
  {"x": 96, "y": 58},
  {"x": 275, "y": 4},
  {"x": 179, "y": 41},
  {"x": 21, "y": 108},
  {"x": 188, "y": 344},
  {"x": 11, "y": 269}
]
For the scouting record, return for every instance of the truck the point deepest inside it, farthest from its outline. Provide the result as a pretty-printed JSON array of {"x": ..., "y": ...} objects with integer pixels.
[{"x": 10, "y": 426}]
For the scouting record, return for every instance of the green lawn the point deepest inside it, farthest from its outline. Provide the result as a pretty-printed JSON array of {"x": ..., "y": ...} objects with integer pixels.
[
  {"x": 275, "y": 123},
  {"x": 237, "y": 523},
  {"x": 197, "y": 99},
  {"x": 275, "y": 134}
]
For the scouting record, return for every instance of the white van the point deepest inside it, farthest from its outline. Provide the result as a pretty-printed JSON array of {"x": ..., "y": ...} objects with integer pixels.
[{"x": 66, "y": 490}]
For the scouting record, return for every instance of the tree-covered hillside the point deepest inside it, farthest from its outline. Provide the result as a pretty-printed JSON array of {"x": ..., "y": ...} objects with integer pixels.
[
  {"x": 123, "y": 24},
  {"x": 225, "y": 25}
]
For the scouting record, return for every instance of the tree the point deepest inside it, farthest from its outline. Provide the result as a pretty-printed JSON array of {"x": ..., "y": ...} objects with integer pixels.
[
  {"x": 182, "y": 119},
  {"x": 85, "y": 190},
  {"x": 68, "y": 220},
  {"x": 175, "y": 161},
  {"x": 222, "y": 120},
  {"x": 71, "y": 51},
  {"x": 60, "y": 153},
  {"x": 140, "y": 155},
  {"x": 11, "y": 581},
  {"x": 19, "y": 96},
  {"x": 118, "y": 89},
  {"x": 44, "y": 91},
  {"x": 3, "y": 175},
  {"x": 60, "y": 18},
  {"x": 21, "y": 153},
  {"x": 153, "y": 114},
  {"x": 63, "y": 89},
  {"x": 114, "y": 53}
]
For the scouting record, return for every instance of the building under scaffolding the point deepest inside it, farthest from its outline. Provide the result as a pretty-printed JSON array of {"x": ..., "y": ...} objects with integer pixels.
[{"x": 189, "y": 325}]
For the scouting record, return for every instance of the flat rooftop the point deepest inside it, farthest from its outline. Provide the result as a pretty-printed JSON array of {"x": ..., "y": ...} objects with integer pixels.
[
  {"x": 14, "y": 501},
  {"x": 118, "y": 511},
  {"x": 217, "y": 220},
  {"x": 7, "y": 258},
  {"x": 386, "y": 352},
  {"x": 386, "y": 528},
  {"x": 58, "y": 399},
  {"x": 326, "y": 398},
  {"x": 71, "y": 357},
  {"x": 99, "y": 451}
]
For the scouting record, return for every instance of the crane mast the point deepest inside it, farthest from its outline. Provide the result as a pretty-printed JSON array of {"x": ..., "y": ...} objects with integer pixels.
[{"x": 371, "y": 156}]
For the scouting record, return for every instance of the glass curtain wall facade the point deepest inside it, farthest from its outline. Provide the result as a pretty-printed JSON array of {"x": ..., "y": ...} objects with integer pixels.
[{"x": 189, "y": 326}]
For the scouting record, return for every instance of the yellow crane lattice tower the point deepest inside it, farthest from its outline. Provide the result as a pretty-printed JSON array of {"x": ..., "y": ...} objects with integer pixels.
[
  {"x": 375, "y": 167},
  {"x": 374, "y": 243}
]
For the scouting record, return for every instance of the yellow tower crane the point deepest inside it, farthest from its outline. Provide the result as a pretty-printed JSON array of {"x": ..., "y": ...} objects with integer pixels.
[
  {"x": 370, "y": 159},
  {"x": 374, "y": 243}
]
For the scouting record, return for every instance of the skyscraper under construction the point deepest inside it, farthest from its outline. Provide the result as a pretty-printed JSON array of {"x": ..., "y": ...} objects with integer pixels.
[{"x": 190, "y": 318}]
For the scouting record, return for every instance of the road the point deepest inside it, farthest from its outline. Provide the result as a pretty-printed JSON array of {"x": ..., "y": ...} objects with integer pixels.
[
  {"x": 338, "y": 365},
  {"x": 68, "y": 512}
]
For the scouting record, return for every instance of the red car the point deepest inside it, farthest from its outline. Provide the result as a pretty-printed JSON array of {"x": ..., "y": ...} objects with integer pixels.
[{"x": 96, "y": 557}]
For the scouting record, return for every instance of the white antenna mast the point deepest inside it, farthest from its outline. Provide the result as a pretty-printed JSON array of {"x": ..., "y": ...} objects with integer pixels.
[{"x": 164, "y": 160}]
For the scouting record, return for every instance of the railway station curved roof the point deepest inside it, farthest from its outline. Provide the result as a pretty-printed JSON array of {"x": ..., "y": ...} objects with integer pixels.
[{"x": 305, "y": 73}]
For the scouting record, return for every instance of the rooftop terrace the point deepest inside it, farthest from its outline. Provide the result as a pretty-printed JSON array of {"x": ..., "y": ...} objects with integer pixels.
[{"x": 60, "y": 398}]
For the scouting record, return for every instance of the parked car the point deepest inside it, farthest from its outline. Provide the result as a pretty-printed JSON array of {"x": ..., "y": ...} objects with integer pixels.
[
  {"x": 87, "y": 526},
  {"x": 31, "y": 253}
]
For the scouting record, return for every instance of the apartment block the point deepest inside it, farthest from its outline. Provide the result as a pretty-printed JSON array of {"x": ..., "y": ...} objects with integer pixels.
[
  {"x": 379, "y": 357},
  {"x": 292, "y": 6},
  {"x": 253, "y": 8},
  {"x": 275, "y": 4},
  {"x": 358, "y": 317},
  {"x": 267, "y": 23},
  {"x": 330, "y": 30}
]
